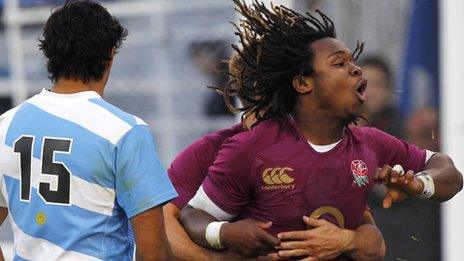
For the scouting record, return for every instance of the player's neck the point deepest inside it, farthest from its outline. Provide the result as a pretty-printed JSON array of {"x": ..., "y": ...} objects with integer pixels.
[
  {"x": 319, "y": 129},
  {"x": 70, "y": 86}
]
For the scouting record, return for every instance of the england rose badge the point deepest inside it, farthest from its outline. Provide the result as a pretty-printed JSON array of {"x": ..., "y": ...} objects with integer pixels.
[{"x": 359, "y": 171}]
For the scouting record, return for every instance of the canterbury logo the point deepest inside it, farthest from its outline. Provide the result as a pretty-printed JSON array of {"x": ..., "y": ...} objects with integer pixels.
[{"x": 277, "y": 176}]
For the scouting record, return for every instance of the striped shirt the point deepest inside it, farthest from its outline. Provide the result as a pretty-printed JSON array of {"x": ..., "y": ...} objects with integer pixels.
[{"x": 73, "y": 170}]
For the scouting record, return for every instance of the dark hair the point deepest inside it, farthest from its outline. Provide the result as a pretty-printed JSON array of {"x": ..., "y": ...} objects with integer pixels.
[
  {"x": 236, "y": 67},
  {"x": 78, "y": 41},
  {"x": 379, "y": 63},
  {"x": 275, "y": 47}
]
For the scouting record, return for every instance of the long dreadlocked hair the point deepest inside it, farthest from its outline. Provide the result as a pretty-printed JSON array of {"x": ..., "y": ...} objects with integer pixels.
[{"x": 274, "y": 47}]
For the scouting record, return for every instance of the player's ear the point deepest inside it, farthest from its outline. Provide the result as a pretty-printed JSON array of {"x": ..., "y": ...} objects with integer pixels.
[
  {"x": 109, "y": 63},
  {"x": 302, "y": 84},
  {"x": 113, "y": 53}
]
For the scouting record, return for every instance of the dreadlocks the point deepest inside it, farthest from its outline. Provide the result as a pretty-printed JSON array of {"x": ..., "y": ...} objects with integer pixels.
[{"x": 273, "y": 48}]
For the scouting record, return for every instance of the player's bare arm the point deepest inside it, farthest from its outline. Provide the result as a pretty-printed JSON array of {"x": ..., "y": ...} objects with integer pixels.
[
  {"x": 182, "y": 246},
  {"x": 3, "y": 215},
  {"x": 327, "y": 241},
  {"x": 447, "y": 179},
  {"x": 247, "y": 237},
  {"x": 439, "y": 172},
  {"x": 368, "y": 243},
  {"x": 150, "y": 236}
]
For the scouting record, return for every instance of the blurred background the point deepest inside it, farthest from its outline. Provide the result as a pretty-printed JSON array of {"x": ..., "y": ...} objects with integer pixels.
[{"x": 176, "y": 48}]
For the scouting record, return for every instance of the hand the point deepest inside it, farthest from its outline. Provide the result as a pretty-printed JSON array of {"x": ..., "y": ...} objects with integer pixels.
[
  {"x": 248, "y": 238},
  {"x": 399, "y": 187},
  {"x": 269, "y": 257},
  {"x": 324, "y": 242},
  {"x": 231, "y": 256}
]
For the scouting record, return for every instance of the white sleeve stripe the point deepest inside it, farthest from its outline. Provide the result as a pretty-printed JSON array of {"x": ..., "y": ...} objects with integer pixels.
[
  {"x": 203, "y": 202},
  {"x": 428, "y": 155},
  {"x": 140, "y": 121}
]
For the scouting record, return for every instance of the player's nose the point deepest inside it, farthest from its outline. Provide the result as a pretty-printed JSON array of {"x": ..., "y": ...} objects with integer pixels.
[{"x": 356, "y": 71}]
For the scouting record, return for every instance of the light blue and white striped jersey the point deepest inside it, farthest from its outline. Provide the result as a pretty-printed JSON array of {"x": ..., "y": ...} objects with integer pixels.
[{"x": 73, "y": 170}]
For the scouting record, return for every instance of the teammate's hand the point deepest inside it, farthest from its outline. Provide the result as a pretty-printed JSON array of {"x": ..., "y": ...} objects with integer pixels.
[
  {"x": 324, "y": 242},
  {"x": 248, "y": 238},
  {"x": 269, "y": 257},
  {"x": 398, "y": 187},
  {"x": 231, "y": 256}
]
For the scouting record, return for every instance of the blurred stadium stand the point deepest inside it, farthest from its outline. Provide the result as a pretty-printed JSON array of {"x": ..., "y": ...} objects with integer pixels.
[{"x": 154, "y": 76}]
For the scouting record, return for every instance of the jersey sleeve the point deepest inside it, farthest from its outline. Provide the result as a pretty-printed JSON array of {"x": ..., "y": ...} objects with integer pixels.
[
  {"x": 188, "y": 170},
  {"x": 229, "y": 181},
  {"x": 392, "y": 151},
  {"x": 141, "y": 180}
]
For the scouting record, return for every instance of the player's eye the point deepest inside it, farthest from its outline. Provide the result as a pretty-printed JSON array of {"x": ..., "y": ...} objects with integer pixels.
[{"x": 339, "y": 64}]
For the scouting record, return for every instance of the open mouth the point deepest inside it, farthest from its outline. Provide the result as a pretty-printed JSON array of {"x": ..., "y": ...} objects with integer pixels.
[{"x": 361, "y": 87}]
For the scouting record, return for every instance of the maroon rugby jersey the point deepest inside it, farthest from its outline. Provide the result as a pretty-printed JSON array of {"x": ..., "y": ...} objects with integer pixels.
[
  {"x": 271, "y": 173},
  {"x": 190, "y": 167}
]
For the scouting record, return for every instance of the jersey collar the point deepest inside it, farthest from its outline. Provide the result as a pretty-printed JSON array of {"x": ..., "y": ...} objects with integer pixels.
[
  {"x": 85, "y": 95},
  {"x": 297, "y": 130}
]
